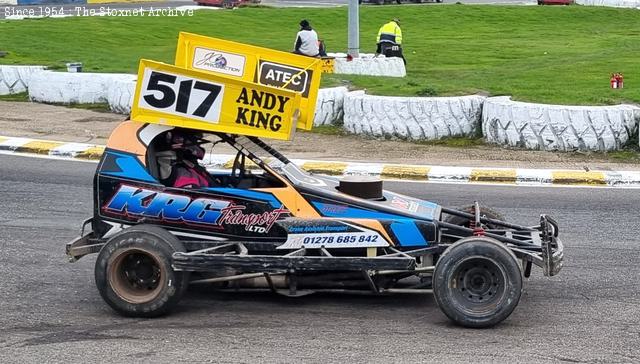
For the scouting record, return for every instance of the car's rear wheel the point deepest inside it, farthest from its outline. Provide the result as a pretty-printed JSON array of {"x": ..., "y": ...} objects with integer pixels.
[
  {"x": 133, "y": 272},
  {"x": 477, "y": 282}
]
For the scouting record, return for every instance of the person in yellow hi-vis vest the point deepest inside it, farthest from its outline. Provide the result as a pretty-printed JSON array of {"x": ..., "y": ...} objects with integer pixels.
[{"x": 389, "y": 40}]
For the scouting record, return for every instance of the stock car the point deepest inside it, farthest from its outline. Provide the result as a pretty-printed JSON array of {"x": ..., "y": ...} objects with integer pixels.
[{"x": 269, "y": 225}]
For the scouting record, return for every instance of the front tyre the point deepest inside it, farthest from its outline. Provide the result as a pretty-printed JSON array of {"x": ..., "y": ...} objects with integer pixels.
[
  {"x": 477, "y": 282},
  {"x": 133, "y": 272}
]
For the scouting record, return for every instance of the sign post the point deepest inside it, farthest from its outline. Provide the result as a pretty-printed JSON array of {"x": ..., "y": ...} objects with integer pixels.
[{"x": 353, "y": 46}]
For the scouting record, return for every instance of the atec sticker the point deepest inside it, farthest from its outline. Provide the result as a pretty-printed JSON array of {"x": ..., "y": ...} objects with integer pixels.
[
  {"x": 278, "y": 75},
  {"x": 217, "y": 61}
]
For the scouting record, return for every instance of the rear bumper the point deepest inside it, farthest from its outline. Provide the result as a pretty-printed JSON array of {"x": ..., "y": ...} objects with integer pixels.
[{"x": 86, "y": 243}]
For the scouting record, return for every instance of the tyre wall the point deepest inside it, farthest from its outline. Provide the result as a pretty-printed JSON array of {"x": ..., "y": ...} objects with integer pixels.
[
  {"x": 329, "y": 107},
  {"x": 412, "y": 117},
  {"x": 611, "y": 3},
  {"x": 366, "y": 64},
  {"x": 558, "y": 127},
  {"x": 16, "y": 79},
  {"x": 120, "y": 95},
  {"x": 80, "y": 88}
]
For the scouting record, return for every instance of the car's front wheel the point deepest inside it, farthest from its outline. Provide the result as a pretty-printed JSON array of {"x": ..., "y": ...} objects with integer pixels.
[
  {"x": 133, "y": 272},
  {"x": 477, "y": 282}
]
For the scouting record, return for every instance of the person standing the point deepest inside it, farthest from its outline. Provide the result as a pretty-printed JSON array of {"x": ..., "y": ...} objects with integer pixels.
[
  {"x": 389, "y": 40},
  {"x": 306, "y": 41}
]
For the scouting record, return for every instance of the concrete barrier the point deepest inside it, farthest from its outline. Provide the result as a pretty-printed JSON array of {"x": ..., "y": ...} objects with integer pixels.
[
  {"x": 610, "y": 3},
  {"x": 369, "y": 65},
  {"x": 120, "y": 95},
  {"x": 16, "y": 79},
  {"x": 68, "y": 88},
  {"x": 416, "y": 118},
  {"x": 329, "y": 107},
  {"x": 558, "y": 127}
]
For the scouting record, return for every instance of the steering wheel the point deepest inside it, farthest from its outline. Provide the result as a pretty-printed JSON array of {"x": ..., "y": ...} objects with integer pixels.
[{"x": 238, "y": 171}]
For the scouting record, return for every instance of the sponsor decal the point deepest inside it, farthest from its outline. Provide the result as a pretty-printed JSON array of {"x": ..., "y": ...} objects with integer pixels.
[
  {"x": 142, "y": 202},
  {"x": 217, "y": 61},
  {"x": 279, "y": 75},
  {"x": 330, "y": 209},
  {"x": 365, "y": 239},
  {"x": 260, "y": 109},
  {"x": 404, "y": 204},
  {"x": 317, "y": 229}
]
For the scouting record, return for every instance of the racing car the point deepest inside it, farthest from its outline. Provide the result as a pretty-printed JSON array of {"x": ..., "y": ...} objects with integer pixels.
[{"x": 270, "y": 225}]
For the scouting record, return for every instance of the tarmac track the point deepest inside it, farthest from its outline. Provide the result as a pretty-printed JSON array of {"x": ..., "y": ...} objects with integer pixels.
[{"x": 50, "y": 310}]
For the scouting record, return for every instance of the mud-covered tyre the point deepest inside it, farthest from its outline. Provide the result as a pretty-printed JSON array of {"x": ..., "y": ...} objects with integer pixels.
[
  {"x": 463, "y": 221},
  {"x": 477, "y": 282},
  {"x": 133, "y": 272}
]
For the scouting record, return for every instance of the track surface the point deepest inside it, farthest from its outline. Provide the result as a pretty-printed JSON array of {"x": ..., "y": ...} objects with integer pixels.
[{"x": 51, "y": 310}]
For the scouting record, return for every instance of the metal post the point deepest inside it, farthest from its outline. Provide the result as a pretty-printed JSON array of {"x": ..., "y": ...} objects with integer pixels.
[{"x": 354, "y": 29}]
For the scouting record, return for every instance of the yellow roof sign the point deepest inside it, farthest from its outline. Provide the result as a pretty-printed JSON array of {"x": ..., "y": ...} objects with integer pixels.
[
  {"x": 171, "y": 95},
  {"x": 254, "y": 64}
]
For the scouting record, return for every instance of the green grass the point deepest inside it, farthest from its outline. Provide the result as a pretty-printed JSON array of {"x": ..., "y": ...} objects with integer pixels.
[
  {"x": 23, "y": 96},
  {"x": 547, "y": 54}
]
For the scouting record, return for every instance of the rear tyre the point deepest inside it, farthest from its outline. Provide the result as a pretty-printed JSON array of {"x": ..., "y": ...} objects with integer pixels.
[
  {"x": 477, "y": 282},
  {"x": 133, "y": 272}
]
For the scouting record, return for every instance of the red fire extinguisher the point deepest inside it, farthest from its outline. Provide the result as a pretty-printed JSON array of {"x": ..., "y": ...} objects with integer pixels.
[{"x": 617, "y": 81}]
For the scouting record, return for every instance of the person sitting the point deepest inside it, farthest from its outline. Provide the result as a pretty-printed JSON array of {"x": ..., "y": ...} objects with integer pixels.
[
  {"x": 306, "y": 41},
  {"x": 186, "y": 172}
]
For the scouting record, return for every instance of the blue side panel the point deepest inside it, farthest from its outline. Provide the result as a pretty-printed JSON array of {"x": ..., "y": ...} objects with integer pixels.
[
  {"x": 51, "y": 2},
  {"x": 407, "y": 233},
  {"x": 330, "y": 210},
  {"x": 130, "y": 167},
  {"x": 253, "y": 195}
]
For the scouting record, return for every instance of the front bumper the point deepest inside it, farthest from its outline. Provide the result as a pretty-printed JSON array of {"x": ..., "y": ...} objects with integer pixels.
[
  {"x": 552, "y": 248},
  {"x": 549, "y": 255}
]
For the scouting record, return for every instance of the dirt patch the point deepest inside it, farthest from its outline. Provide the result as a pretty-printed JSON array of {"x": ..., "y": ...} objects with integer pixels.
[{"x": 32, "y": 120}]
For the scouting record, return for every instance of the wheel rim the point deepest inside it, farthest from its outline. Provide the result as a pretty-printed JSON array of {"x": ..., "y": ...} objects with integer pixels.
[
  {"x": 478, "y": 285},
  {"x": 136, "y": 276}
]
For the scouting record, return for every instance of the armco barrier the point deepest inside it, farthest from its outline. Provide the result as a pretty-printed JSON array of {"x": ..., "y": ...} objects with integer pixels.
[
  {"x": 412, "y": 117},
  {"x": 16, "y": 79},
  {"x": 67, "y": 88},
  {"x": 558, "y": 127},
  {"x": 369, "y": 65},
  {"x": 610, "y": 3},
  {"x": 329, "y": 107}
]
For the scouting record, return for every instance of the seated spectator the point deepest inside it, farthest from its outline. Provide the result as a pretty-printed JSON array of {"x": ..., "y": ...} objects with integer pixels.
[{"x": 306, "y": 41}]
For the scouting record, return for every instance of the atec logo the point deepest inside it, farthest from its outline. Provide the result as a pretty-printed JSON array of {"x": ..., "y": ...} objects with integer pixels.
[{"x": 217, "y": 61}]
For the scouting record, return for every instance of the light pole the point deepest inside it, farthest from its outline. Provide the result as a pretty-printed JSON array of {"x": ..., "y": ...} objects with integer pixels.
[{"x": 354, "y": 29}]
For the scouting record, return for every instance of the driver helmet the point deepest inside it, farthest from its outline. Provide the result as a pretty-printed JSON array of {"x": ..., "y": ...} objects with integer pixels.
[{"x": 186, "y": 143}]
